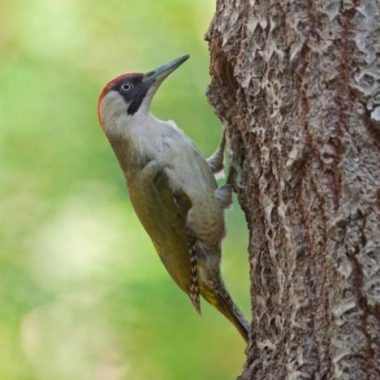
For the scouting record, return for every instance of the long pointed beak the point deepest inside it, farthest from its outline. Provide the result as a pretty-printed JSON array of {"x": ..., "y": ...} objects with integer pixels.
[{"x": 162, "y": 72}]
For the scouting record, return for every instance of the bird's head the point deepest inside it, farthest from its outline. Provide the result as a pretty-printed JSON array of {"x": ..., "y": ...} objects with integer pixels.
[{"x": 131, "y": 94}]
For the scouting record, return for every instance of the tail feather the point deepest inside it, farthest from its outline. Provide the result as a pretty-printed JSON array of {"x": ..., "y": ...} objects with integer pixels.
[
  {"x": 233, "y": 313},
  {"x": 221, "y": 299},
  {"x": 206, "y": 280}
]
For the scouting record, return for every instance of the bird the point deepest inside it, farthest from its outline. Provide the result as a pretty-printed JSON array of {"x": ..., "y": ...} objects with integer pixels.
[{"x": 172, "y": 188}]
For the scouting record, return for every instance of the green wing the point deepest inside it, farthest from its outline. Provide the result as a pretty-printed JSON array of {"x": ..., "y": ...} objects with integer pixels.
[{"x": 163, "y": 214}]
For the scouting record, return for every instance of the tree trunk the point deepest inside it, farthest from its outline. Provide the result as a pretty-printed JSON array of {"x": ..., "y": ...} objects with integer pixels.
[{"x": 296, "y": 84}]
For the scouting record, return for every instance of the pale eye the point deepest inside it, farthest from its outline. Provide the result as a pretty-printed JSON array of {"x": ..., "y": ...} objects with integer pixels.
[{"x": 125, "y": 87}]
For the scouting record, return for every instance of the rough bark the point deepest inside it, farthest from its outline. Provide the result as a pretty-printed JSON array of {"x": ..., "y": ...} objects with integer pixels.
[{"x": 297, "y": 85}]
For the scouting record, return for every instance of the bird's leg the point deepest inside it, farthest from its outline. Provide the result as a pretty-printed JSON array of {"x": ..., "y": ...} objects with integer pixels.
[
  {"x": 215, "y": 161},
  {"x": 224, "y": 193},
  {"x": 216, "y": 164}
]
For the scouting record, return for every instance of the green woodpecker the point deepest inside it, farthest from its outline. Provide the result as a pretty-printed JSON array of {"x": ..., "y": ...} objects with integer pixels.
[{"x": 172, "y": 188}]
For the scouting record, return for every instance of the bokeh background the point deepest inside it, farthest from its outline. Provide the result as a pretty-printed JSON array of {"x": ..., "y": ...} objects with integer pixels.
[{"x": 82, "y": 292}]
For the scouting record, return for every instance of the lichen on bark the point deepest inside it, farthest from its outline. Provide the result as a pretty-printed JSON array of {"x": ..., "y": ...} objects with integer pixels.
[{"x": 297, "y": 86}]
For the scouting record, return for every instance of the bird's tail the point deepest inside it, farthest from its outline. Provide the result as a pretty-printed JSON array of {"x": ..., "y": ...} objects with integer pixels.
[{"x": 221, "y": 299}]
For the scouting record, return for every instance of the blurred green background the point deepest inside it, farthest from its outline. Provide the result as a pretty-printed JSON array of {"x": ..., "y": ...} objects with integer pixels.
[{"x": 82, "y": 292}]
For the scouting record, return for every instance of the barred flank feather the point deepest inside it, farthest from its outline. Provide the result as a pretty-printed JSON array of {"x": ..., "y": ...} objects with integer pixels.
[{"x": 194, "y": 284}]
